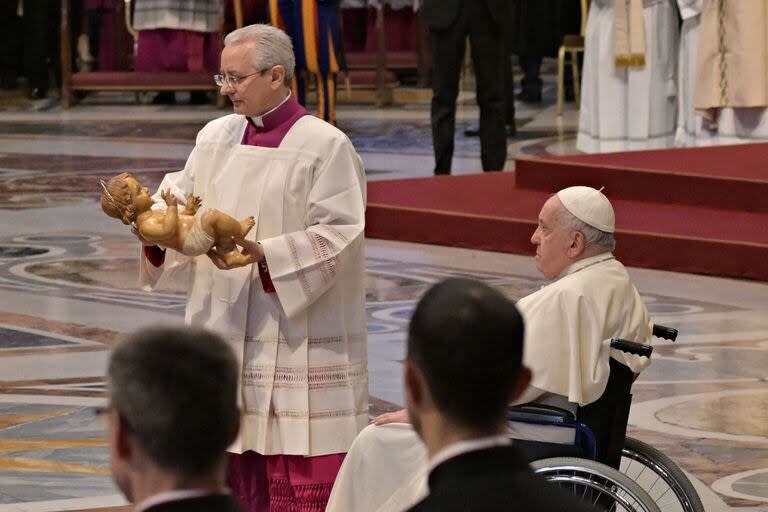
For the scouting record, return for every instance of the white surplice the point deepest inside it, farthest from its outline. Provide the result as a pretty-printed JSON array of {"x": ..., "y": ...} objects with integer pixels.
[
  {"x": 568, "y": 327},
  {"x": 303, "y": 353},
  {"x": 628, "y": 108}
]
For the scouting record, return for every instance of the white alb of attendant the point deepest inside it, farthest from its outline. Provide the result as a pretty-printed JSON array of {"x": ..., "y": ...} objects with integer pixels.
[
  {"x": 304, "y": 385},
  {"x": 688, "y": 127},
  {"x": 629, "y": 108}
]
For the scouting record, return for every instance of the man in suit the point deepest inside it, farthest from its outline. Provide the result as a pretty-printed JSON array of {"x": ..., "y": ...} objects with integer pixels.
[
  {"x": 464, "y": 365},
  {"x": 171, "y": 414},
  {"x": 507, "y": 77},
  {"x": 537, "y": 29},
  {"x": 450, "y": 22}
]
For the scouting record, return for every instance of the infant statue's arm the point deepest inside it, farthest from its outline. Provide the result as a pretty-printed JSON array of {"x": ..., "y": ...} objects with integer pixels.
[
  {"x": 193, "y": 204},
  {"x": 160, "y": 226}
]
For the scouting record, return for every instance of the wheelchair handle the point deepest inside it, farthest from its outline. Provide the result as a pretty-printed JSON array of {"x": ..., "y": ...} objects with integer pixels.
[
  {"x": 632, "y": 347},
  {"x": 661, "y": 331}
]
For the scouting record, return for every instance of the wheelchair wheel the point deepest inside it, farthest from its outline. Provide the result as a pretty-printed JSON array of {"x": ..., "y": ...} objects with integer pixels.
[
  {"x": 595, "y": 483},
  {"x": 661, "y": 478}
]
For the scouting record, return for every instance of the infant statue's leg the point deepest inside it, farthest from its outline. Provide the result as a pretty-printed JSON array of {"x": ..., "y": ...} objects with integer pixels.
[{"x": 222, "y": 228}]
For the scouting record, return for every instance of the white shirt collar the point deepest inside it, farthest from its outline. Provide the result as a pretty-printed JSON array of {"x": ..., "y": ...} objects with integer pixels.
[
  {"x": 168, "y": 496},
  {"x": 259, "y": 120},
  {"x": 472, "y": 445},
  {"x": 584, "y": 263}
]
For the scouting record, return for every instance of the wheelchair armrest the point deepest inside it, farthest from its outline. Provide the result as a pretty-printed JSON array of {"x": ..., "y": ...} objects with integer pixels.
[
  {"x": 540, "y": 413},
  {"x": 630, "y": 347},
  {"x": 661, "y": 331}
]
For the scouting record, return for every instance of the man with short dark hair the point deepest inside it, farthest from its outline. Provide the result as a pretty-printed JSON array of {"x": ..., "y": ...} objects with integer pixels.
[
  {"x": 464, "y": 362},
  {"x": 463, "y": 368},
  {"x": 172, "y": 413}
]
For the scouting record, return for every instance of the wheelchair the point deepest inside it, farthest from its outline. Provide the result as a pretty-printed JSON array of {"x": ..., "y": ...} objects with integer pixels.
[{"x": 603, "y": 465}]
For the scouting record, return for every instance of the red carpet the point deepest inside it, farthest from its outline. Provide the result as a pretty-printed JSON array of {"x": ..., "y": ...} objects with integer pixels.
[
  {"x": 674, "y": 208},
  {"x": 732, "y": 177}
]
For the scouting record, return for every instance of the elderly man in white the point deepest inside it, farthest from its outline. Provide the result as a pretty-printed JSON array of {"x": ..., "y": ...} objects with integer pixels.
[{"x": 568, "y": 324}]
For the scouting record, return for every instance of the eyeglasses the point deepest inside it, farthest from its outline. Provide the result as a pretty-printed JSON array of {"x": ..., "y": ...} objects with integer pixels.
[{"x": 234, "y": 81}]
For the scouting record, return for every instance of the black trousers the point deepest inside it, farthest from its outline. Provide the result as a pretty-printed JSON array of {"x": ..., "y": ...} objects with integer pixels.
[
  {"x": 531, "y": 83},
  {"x": 10, "y": 49},
  {"x": 488, "y": 53},
  {"x": 41, "y": 41}
]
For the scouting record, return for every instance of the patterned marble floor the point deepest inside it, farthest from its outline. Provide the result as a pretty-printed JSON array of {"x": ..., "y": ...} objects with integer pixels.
[{"x": 68, "y": 291}]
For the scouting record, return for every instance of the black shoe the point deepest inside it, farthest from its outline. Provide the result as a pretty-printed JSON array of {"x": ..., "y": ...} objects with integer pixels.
[
  {"x": 527, "y": 97},
  {"x": 472, "y": 131},
  {"x": 165, "y": 98}
]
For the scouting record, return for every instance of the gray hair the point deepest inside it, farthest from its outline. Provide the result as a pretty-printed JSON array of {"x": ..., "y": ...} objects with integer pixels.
[
  {"x": 176, "y": 388},
  {"x": 592, "y": 235},
  {"x": 272, "y": 47}
]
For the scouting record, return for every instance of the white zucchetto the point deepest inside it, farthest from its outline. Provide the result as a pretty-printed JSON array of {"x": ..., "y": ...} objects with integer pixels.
[{"x": 590, "y": 206}]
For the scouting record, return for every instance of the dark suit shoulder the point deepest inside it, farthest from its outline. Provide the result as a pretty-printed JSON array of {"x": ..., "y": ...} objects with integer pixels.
[
  {"x": 491, "y": 480},
  {"x": 220, "y": 503}
]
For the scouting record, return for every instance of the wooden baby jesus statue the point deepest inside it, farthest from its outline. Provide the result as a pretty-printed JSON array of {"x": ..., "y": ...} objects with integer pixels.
[{"x": 124, "y": 198}]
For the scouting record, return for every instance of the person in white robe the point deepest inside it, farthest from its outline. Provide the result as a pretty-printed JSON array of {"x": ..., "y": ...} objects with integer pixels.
[
  {"x": 628, "y": 99},
  {"x": 296, "y": 317},
  {"x": 568, "y": 327},
  {"x": 687, "y": 124},
  {"x": 725, "y": 77}
]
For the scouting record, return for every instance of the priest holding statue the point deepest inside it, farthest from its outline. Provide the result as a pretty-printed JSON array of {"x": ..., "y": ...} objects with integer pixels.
[{"x": 294, "y": 314}]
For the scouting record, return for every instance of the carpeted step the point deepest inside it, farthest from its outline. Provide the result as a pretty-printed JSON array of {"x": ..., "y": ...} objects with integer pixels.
[
  {"x": 728, "y": 177},
  {"x": 490, "y": 212}
]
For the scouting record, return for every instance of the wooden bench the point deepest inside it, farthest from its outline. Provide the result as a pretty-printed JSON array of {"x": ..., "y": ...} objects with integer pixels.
[{"x": 72, "y": 82}]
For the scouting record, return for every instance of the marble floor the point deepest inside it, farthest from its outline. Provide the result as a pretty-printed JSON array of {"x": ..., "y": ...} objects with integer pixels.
[{"x": 68, "y": 291}]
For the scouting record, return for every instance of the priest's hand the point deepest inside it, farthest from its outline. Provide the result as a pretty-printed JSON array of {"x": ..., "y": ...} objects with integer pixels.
[
  {"x": 253, "y": 250},
  {"x": 400, "y": 416},
  {"x": 217, "y": 260}
]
